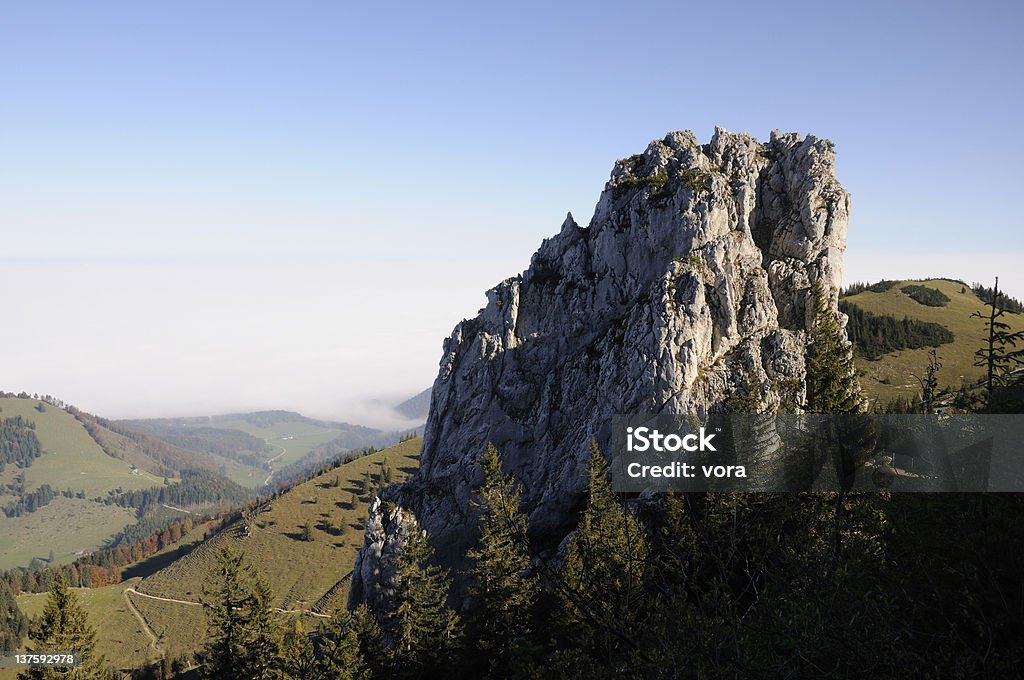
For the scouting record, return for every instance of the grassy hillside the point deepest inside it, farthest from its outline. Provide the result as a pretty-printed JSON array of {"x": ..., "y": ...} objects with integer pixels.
[
  {"x": 71, "y": 458},
  {"x": 894, "y": 374},
  {"x": 66, "y": 526},
  {"x": 305, "y": 575},
  {"x": 123, "y": 639}
]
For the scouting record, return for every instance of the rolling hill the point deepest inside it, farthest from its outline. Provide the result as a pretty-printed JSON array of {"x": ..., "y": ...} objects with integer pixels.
[
  {"x": 87, "y": 481},
  {"x": 895, "y": 374},
  {"x": 160, "y": 613},
  {"x": 248, "y": 447},
  {"x": 71, "y": 460}
]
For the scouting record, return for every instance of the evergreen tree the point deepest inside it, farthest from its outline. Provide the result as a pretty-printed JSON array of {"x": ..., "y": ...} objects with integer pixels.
[
  {"x": 832, "y": 385},
  {"x": 1000, "y": 356},
  {"x": 297, "y": 661},
  {"x": 605, "y": 566},
  {"x": 13, "y": 623},
  {"x": 64, "y": 627},
  {"x": 339, "y": 656},
  {"x": 371, "y": 641},
  {"x": 307, "y": 532},
  {"x": 423, "y": 630},
  {"x": 504, "y": 595},
  {"x": 243, "y": 637},
  {"x": 930, "y": 390}
]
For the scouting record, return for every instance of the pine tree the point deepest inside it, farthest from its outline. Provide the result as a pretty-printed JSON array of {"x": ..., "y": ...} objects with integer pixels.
[
  {"x": 340, "y": 657},
  {"x": 13, "y": 623},
  {"x": 1000, "y": 356},
  {"x": 832, "y": 385},
  {"x": 930, "y": 391},
  {"x": 64, "y": 627},
  {"x": 605, "y": 567},
  {"x": 504, "y": 595},
  {"x": 371, "y": 642},
  {"x": 243, "y": 637},
  {"x": 297, "y": 661},
  {"x": 264, "y": 646},
  {"x": 423, "y": 629}
]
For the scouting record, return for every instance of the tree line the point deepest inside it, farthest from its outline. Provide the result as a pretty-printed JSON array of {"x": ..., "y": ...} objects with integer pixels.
[
  {"x": 994, "y": 296},
  {"x": 30, "y": 501},
  {"x": 195, "y": 488}
]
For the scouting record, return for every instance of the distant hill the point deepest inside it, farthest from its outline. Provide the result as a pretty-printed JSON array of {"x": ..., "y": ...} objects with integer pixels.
[
  {"x": 78, "y": 469},
  {"x": 417, "y": 407},
  {"x": 942, "y": 302},
  {"x": 248, "y": 447}
]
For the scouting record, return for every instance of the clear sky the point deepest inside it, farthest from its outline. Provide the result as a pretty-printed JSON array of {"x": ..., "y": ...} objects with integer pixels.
[{"x": 208, "y": 206}]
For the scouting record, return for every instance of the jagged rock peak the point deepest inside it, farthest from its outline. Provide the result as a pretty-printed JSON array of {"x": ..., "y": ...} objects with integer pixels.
[{"x": 688, "y": 288}]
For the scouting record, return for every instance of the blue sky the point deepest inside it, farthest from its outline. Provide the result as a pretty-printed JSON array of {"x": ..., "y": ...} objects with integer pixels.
[{"x": 432, "y": 147}]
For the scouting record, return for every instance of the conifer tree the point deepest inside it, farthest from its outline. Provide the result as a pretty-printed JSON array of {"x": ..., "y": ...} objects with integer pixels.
[
  {"x": 832, "y": 385},
  {"x": 64, "y": 627},
  {"x": 371, "y": 643},
  {"x": 1002, "y": 354},
  {"x": 423, "y": 629},
  {"x": 297, "y": 660},
  {"x": 605, "y": 567},
  {"x": 504, "y": 595},
  {"x": 243, "y": 636},
  {"x": 340, "y": 657}
]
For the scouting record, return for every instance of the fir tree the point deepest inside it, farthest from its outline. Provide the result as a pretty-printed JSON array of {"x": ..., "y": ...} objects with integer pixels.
[
  {"x": 371, "y": 643},
  {"x": 422, "y": 628},
  {"x": 340, "y": 657},
  {"x": 504, "y": 595},
  {"x": 930, "y": 391},
  {"x": 832, "y": 385},
  {"x": 1000, "y": 356},
  {"x": 297, "y": 661},
  {"x": 605, "y": 567},
  {"x": 243, "y": 637},
  {"x": 64, "y": 627}
]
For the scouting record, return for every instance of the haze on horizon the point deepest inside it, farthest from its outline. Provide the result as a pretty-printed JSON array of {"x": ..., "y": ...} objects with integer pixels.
[{"x": 235, "y": 207}]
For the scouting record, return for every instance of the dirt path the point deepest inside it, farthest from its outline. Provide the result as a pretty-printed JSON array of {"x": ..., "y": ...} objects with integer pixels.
[
  {"x": 154, "y": 641},
  {"x": 164, "y": 599},
  {"x": 200, "y": 604},
  {"x": 271, "y": 460}
]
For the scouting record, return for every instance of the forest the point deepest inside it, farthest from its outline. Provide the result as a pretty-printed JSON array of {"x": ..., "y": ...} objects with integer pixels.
[
  {"x": 1010, "y": 304},
  {"x": 874, "y": 334},
  {"x": 18, "y": 443}
]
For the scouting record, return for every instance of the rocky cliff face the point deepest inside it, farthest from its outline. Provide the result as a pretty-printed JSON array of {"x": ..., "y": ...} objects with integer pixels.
[{"x": 689, "y": 287}]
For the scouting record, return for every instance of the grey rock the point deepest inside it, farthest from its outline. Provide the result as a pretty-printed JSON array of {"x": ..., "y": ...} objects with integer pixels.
[{"x": 691, "y": 284}]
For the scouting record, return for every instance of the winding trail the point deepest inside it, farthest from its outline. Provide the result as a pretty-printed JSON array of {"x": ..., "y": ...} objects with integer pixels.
[
  {"x": 271, "y": 460},
  {"x": 200, "y": 604},
  {"x": 154, "y": 641}
]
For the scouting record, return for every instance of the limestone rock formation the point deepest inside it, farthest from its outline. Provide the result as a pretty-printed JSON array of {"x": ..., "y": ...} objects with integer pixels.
[{"x": 690, "y": 287}]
